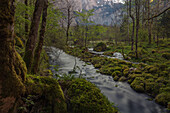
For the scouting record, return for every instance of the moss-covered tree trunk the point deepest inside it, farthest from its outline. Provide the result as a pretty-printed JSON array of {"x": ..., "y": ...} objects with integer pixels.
[
  {"x": 31, "y": 42},
  {"x": 38, "y": 49},
  {"x": 12, "y": 67}
]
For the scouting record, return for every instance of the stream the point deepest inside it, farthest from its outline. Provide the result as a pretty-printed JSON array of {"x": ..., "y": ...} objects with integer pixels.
[{"x": 125, "y": 98}]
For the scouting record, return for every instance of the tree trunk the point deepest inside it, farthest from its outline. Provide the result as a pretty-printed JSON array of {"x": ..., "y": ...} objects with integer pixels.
[
  {"x": 31, "y": 42},
  {"x": 137, "y": 6},
  {"x": 128, "y": 22},
  {"x": 149, "y": 23},
  {"x": 26, "y": 18},
  {"x": 41, "y": 40},
  {"x": 68, "y": 26},
  {"x": 12, "y": 67},
  {"x": 86, "y": 36},
  {"x": 133, "y": 21}
]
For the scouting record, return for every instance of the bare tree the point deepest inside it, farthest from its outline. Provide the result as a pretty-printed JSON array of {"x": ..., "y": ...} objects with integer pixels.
[{"x": 67, "y": 7}]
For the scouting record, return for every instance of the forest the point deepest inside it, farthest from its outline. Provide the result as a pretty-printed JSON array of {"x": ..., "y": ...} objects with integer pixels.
[{"x": 55, "y": 57}]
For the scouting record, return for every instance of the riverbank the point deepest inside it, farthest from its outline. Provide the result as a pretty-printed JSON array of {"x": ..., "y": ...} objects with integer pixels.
[{"x": 150, "y": 79}]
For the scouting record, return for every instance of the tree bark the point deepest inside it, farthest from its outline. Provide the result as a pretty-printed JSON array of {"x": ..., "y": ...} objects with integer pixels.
[
  {"x": 26, "y": 18},
  {"x": 137, "y": 6},
  {"x": 41, "y": 40},
  {"x": 133, "y": 21},
  {"x": 12, "y": 67},
  {"x": 128, "y": 22},
  {"x": 31, "y": 42},
  {"x": 149, "y": 24}
]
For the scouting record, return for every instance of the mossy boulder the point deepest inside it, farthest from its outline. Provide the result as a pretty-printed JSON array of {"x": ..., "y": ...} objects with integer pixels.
[
  {"x": 146, "y": 60},
  {"x": 122, "y": 79},
  {"x": 48, "y": 93},
  {"x": 97, "y": 65},
  {"x": 152, "y": 87},
  {"x": 108, "y": 53},
  {"x": 100, "y": 47},
  {"x": 116, "y": 73},
  {"x": 163, "y": 98},
  {"x": 138, "y": 84},
  {"x": 166, "y": 56},
  {"x": 125, "y": 72},
  {"x": 116, "y": 78},
  {"x": 85, "y": 97}
]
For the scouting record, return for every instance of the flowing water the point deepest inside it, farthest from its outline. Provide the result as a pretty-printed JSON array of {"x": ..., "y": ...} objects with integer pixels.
[{"x": 124, "y": 97}]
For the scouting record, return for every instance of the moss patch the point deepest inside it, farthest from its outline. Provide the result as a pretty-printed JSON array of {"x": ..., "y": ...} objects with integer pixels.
[
  {"x": 50, "y": 97},
  {"x": 85, "y": 97}
]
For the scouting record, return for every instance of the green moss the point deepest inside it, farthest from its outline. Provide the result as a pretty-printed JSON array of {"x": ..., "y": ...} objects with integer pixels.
[
  {"x": 100, "y": 47},
  {"x": 166, "y": 56},
  {"x": 87, "y": 98},
  {"x": 49, "y": 94},
  {"x": 108, "y": 53},
  {"x": 116, "y": 78},
  {"x": 151, "y": 87},
  {"x": 138, "y": 84},
  {"x": 163, "y": 98},
  {"x": 97, "y": 65},
  {"x": 13, "y": 75},
  {"x": 137, "y": 71},
  {"x": 126, "y": 72},
  {"x": 116, "y": 73},
  {"x": 122, "y": 79}
]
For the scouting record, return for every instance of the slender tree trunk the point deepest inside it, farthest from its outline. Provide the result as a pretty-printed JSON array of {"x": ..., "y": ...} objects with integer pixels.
[
  {"x": 68, "y": 26},
  {"x": 133, "y": 21},
  {"x": 149, "y": 23},
  {"x": 137, "y": 6},
  {"x": 26, "y": 18},
  {"x": 31, "y": 42},
  {"x": 128, "y": 21},
  {"x": 12, "y": 67},
  {"x": 38, "y": 49},
  {"x": 157, "y": 34},
  {"x": 86, "y": 36}
]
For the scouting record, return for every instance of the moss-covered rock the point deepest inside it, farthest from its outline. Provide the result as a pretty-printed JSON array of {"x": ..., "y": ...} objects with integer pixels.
[
  {"x": 116, "y": 78},
  {"x": 49, "y": 94},
  {"x": 125, "y": 72},
  {"x": 138, "y": 84},
  {"x": 116, "y": 73},
  {"x": 87, "y": 98},
  {"x": 100, "y": 47},
  {"x": 163, "y": 98},
  {"x": 122, "y": 79},
  {"x": 166, "y": 56},
  {"x": 108, "y": 53},
  {"x": 97, "y": 65}
]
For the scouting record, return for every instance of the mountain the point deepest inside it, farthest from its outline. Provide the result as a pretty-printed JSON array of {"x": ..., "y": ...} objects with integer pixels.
[{"x": 106, "y": 11}]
